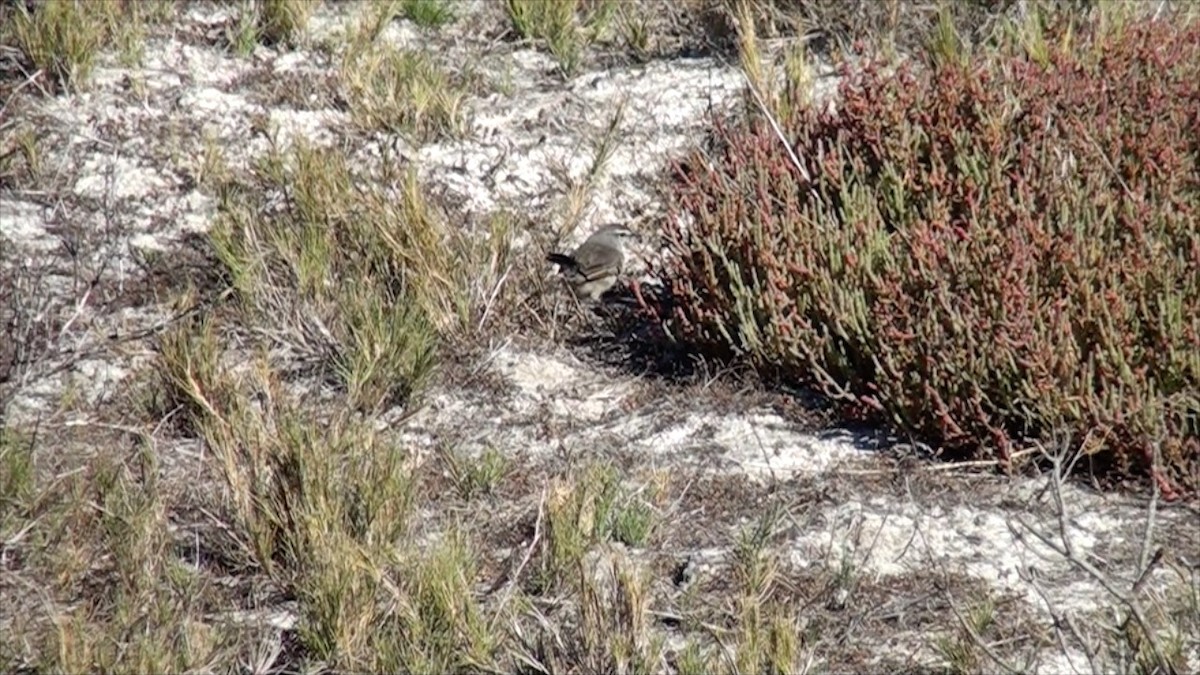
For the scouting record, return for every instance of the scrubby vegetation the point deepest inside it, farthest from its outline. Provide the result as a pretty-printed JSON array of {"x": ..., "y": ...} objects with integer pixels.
[
  {"x": 58, "y": 43},
  {"x": 273, "y": 399},
  {"x": 986, "y": 252}
]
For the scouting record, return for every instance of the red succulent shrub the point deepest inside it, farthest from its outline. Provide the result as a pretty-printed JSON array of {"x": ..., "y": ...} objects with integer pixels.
[{"x": 984, "y": 253}]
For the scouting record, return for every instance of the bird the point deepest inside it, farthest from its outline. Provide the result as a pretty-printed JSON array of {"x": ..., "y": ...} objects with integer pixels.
[{"x": 593, "y": 268}]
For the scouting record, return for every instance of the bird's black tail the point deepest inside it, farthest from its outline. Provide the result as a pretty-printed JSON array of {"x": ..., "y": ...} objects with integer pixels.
[{"x": 561, "y": 260}]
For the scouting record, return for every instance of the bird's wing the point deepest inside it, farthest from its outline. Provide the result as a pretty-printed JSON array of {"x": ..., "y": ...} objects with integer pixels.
[{"x": 595, "y": 263}]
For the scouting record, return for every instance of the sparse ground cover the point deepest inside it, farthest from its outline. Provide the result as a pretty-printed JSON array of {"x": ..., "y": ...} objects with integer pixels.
[{"x": 286, "y": 387}]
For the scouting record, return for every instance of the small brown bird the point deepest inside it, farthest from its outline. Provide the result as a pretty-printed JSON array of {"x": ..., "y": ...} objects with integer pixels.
[{"x": 593, "y": 268}]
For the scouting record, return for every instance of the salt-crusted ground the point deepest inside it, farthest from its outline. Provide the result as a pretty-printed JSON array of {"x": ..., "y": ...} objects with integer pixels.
[{"x": 917, "y": 541}]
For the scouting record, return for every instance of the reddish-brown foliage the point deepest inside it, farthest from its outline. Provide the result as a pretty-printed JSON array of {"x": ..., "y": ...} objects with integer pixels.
[{"x": 986, "y": 254}]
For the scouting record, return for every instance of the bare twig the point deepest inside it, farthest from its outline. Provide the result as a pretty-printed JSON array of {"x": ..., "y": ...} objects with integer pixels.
[
  {"x": 1060, "y": 620},
  {"x": 1065, "y": 548},
  {"x": 515, "y": 576},
  {"x": 977, "y": 639},
  {"x": 1144, "y": 561}
]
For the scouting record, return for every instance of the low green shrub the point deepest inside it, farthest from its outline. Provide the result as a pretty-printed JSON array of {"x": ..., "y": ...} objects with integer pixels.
[{"x": 986, "y": 252}]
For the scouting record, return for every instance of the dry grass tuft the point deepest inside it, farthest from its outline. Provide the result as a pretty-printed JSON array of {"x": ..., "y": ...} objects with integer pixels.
[
  {"x": 565, "y": 27},
  {"x": 284, "y": 21},
  {"x": 364, "y": 284},
  {"x": 428, "y": 13},
  {"x": 274, "y": 23},
  {"x": 402, "y": 91},
  {"x": 61, "y": 38}
]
